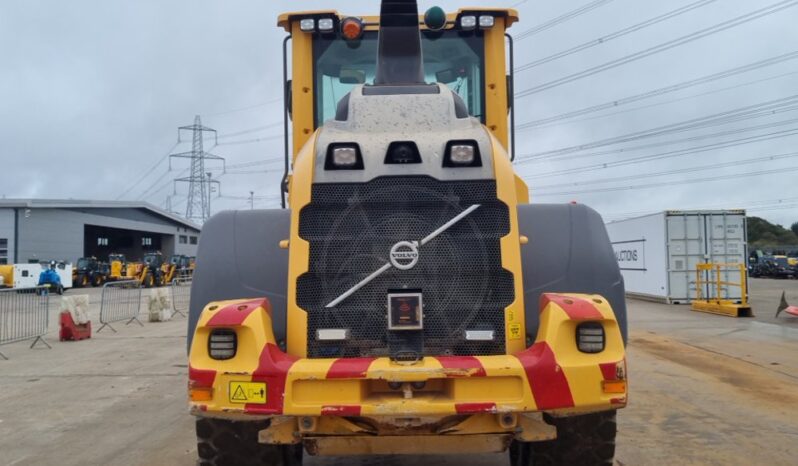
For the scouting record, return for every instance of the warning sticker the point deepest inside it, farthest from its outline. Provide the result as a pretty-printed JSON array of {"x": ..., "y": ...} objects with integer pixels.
[
  {"x": 514, "y": 331},
  {"x": 247, "y": 392}
]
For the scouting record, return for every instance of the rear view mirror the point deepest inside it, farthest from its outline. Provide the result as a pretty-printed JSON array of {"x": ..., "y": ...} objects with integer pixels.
[{"x": 352, "y": 77}]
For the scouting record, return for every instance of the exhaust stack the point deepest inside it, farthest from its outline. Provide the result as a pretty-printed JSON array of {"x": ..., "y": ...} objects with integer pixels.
[{"x": 399, "y": 58}]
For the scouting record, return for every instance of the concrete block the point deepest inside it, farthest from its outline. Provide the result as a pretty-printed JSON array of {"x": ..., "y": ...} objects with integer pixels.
[
  {"x": 159, "y": 305},
  {"x": 77, "y": 306}
]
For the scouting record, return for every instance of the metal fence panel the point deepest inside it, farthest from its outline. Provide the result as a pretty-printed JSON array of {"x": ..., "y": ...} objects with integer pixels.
[
  {"x": 181, "y": 294},
  {"x": 121, "y": 301},
  {"x": 24, "y": 315}
]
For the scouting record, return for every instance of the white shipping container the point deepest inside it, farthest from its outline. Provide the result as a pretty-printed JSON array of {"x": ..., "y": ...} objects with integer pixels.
[{"x": 658, "y": 253}]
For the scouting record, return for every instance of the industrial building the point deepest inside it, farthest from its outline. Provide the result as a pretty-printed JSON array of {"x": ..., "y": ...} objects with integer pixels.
[{"x": 33, "y": 230}]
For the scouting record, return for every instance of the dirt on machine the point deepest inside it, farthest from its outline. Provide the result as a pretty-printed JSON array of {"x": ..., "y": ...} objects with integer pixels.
[{"x": 408, "y": 298}]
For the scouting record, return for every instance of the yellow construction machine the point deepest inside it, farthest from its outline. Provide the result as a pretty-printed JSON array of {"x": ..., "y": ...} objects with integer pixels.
[
  {"x": 141, "y": 272},
  {"x": 117, "y": 267},
  {"x": 410, "y": 299}
]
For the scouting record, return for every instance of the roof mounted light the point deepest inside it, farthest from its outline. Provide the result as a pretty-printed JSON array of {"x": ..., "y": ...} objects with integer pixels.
[
  {"x": 486, "y": 21},
  {"x": 326, "y": 25},
  {"x": 352, "y": 28},
  {"x": 307, "y": 25},
  {"x": 467, "y": 23}
]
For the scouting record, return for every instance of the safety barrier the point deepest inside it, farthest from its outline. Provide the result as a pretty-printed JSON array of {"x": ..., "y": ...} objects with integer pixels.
[
  {"x": 24, "y": 315},
  {"x": 712, "y": 289},
  {"x": 121, "y": 301},
  {"x": 181, "y": 295}
]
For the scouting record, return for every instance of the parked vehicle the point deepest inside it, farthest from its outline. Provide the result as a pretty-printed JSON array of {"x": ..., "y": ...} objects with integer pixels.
[
  {"x": 89, "y": 272},
  {"x": 411, "y": 300}
]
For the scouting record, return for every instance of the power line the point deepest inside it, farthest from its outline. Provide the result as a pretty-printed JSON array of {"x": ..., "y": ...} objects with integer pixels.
[
  {"x": 604, "y": 39},
  {"x": 561, "y": 19},
  {"x": 663, "y": 90},
  {"x": 669, "y": 142},
  {"x": 148, "y": 193},
  {"x": 740, "y": 20},
  {"x": 251, "y": 141},
  {"x": 147, "y": 173},
  {"x": 764, "y": 108},
  {"x": 671, "y": 183},
  {"x": 251, "y": 130},
  {"x": 666, "y": 102},
  {"x": 637, "y": 176},
  {"x": 669, "y": 154},
  {"x": 766, "y": 204},
  {"x": 242, "y": 109}
]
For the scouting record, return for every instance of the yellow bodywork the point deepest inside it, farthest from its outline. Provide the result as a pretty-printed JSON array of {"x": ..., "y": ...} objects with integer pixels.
[
  {"x": 117, "y": 271},
  {"x": 6, "y": 276},
  {"x": 551, "y": 375}
]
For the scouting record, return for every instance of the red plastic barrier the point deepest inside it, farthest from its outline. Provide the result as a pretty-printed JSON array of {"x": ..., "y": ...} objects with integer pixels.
[{"x": 72, "y": 331}]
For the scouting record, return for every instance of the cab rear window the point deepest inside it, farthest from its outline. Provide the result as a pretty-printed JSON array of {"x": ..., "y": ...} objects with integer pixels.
[{"x": 449, "y": 58}]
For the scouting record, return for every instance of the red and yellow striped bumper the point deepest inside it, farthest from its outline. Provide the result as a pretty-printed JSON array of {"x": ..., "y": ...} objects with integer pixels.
[{"x": 552, "y": 375}]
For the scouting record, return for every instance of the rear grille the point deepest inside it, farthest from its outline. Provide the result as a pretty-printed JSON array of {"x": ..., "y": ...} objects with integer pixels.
[{"x": 351, "y": 228}]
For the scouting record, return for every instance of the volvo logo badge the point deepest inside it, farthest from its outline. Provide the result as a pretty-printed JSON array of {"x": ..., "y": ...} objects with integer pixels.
[{"x": 404, "y": 255}]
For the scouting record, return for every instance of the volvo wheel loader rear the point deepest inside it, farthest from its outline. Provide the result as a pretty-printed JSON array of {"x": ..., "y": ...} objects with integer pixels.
[{"x": 411, "y": 299}]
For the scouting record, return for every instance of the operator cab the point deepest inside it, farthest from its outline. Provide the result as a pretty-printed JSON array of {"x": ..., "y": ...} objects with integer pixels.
[{"x": 331, "y": 54}]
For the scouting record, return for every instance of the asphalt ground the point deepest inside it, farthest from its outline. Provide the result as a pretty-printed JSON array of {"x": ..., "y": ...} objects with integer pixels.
[{"x": 704, "y": 389}]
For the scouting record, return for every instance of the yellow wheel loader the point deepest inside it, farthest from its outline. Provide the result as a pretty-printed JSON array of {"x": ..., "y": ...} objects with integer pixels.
[
  {"x": 410, "y": 300},
  {"x": 141, "y": 272}
]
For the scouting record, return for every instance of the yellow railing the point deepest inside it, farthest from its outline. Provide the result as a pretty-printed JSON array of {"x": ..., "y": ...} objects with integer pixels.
[
  {"x": 717, "y": 304},
  {"x": 717, "y": 282}
]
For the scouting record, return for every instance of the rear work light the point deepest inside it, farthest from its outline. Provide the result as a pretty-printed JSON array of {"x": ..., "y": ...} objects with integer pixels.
[
  {"x": 326, "y": 25},
  {"x": 462, "y": 154},
  {"x": 468, "y": 23},
  {"x": 590, "y": 337},
  {"x": 486, "y": 21},
  {"x": 222, "y": 344},
  {"x": 307, "y": 25},
  {"x": 343, "y": 156}
]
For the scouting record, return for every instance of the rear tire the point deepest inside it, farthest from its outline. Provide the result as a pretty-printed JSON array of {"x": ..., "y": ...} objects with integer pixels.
[
  {"x": 228, "y": 443},
  {"x": 584, "y": 440}
]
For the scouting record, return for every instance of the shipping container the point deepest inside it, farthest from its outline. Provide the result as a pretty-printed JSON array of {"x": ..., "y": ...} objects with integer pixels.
[{"x": 658, "y": 253}]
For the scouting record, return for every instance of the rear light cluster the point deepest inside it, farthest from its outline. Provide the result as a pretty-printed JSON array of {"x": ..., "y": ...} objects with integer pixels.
[
  {"x": 352, "y": 28},
  {"x": 222, "y": 344},
  {"x": 590, "y": 337}
]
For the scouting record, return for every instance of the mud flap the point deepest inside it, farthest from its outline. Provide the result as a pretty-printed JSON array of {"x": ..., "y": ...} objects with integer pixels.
[
  {"x": 569, "y": 251},
  {"x": 239, "y": 256}
]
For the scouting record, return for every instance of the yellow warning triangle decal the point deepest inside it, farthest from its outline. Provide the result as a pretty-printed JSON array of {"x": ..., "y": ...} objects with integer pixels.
[{"x": 239, "y": 394}]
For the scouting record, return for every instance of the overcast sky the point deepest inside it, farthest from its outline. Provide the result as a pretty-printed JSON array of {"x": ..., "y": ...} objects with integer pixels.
[{"x": 92, "y": 92}]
